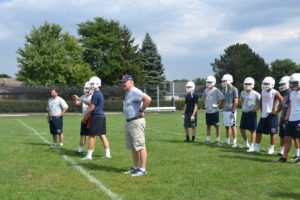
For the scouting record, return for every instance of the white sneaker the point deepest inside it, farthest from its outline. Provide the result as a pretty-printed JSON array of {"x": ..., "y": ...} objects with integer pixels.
[
  {"x": 245, "y": 146},
  {"x": 87, "y": 158},
  {"x": 251, "y": 149},
  {"x": 257, "y": 149},
  {"x": 139, "y": 173},
  {"x": 54, "y": 144},
  {"x": 271, "y": 151},
  {"x": 106, "y": 157},
  {"x": 61, "y": 144},
  {"x": 206, "y": 142},
  {"x": 234, "y": 146}
]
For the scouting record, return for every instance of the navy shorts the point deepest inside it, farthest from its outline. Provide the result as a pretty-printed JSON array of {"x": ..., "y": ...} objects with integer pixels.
[
  {"x": 282, "y": 130},
  {"x": 293, "y": 129},
  {"x": 248, "y": 121},
  {"x": 188, "y": 123},
  {"x": 212, "y": 119},
  {"x": 83, "y": 128},
  {"x": 56, "y": 125},
  {"x": 268, "y": 125},
  {"x": 96, "y": 126}
]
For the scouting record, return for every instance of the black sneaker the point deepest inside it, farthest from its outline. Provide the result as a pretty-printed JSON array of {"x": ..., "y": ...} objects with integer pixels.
[
  {"x": 279, "y": 155},
  {"x": 78, "y": 153},
  {"x": 281, "y": 160},
  {"x": 295, "y": 158},
  {"x": 297, "y": 162}
]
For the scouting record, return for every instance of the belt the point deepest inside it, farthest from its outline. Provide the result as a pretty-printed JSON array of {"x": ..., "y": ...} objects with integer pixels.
[{"x": 134, "y": 118}]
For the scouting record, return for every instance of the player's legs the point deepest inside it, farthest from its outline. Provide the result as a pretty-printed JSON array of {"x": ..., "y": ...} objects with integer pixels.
[
  {"x": 208, "y": 128},
  {"x": 143, "y": 158},
  {"x": 244, "y": 135},
  {"x": 106, "y": 145},
  {"x": 234, "y": 135},
  {"x": 54, "y": 137},
  {"x": 61, "y": 139},
  {"x": 187, "y": 134},
  {"x": 91, "y": 145},
  {"x": 228, "y": 132},
  {"x": 287, "y": 146},
  {"x": 135, "y": 158}
]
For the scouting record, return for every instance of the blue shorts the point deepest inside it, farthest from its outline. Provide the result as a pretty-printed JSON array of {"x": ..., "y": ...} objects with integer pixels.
[
  {"x": 188, "y": 123},
  {"x": 83, "y": 128},
  {"x": 96, "y": 126},
  {"x": 248, "y": 121},
  {"x": 282, "y": 130},
  {"x": 212, "y": 119},
  {"x": 56, "y": 125},
  {"x": 293, "y": 129},
  {"x": 268, "y": 125}
]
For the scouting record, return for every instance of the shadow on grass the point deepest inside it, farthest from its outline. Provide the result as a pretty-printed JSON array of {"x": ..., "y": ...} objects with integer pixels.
[
  {"x": 284, "y": 195},
  {"x": 36, "y": 144},
  {"x": 247, "y": 158},
  {"x": 94, "y": 166}
]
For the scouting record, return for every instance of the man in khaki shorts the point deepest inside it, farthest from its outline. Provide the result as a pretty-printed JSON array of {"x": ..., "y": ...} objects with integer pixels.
[{"x": 134, "y": 105}]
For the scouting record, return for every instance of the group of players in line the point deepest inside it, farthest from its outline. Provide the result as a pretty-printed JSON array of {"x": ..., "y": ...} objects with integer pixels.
[{"x": 269, "y": 101}]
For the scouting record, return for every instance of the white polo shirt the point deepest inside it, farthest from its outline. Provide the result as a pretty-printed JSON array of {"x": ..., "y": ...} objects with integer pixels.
[{"x": 56, "y": 105}]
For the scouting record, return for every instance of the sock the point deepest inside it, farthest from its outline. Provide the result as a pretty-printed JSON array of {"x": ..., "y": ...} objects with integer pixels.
[
  {"x": 257, "y": 146},
  {"x": 234, "y": 141},
  {"x": 246, "y": 142},
  {"x": 227, "y": 140},
  {"x": 252, "y": 145},
  {"x": 193, "y": 138},
  {"x": 272, "y": 147},
  {"x": 298, "y": 152},
  {"x": 90, "y": 153},
  {"x": 208, "y": 138},
  {"x": 281, "y": 150},
  {"x": 187, "y": 138},
  {"x": 142, "y": 169},
  {"x": 218, "y": 139},
  {"x": 80, "y": 148},
  {"x": 61, "y": 144},
  {"x": 107, "y": 152}
]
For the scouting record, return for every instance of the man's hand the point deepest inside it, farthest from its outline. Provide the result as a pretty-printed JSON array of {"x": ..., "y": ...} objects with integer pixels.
[
  {"x": 141, "y": 113},
  {"x": 192, "y": 118},
  {"x": 232, "y": 115},
  {"x": 183, "y": 117},
  {"x": 59, "y": 115},
  {"x": 75, "y": 97}
]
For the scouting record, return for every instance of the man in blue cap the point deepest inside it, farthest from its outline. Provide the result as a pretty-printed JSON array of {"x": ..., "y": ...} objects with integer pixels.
[{"x": 134, "y": 105}]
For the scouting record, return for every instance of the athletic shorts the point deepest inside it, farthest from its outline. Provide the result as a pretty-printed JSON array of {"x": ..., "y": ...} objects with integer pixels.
[
  {"x": 188, "y": 123},
  {"x": 135, "y": 134},
  {"x": 282, "y": 130},
  {"x": 56, "y": 125},
  {"x": 83, "y": 128},
  {"x": 268, "y": 125},
  {"x": 228, "y": 120},
  {"x": 96, "y": 126},
  {"x": 212, "y": 119},
  {"x": 293, "y": 129},
  {"x": 248, "y": 121}
]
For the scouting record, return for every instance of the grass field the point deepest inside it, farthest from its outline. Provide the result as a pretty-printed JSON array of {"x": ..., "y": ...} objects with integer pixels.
[{"x": 31, "y": 169}]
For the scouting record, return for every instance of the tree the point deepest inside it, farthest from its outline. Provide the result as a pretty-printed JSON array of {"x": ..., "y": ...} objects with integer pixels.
[
  {"x": 153, "y": 68},
  {"x": 285, "y": 67},
  {"x": 181, "y": 80},
  {"x": 110, "y": 50},
  {"x": 200, "y": 81},
  {"x": 50, "y": 57},
  {"x": 4, "y": 76},
  {"x": 240, "y": 61}
]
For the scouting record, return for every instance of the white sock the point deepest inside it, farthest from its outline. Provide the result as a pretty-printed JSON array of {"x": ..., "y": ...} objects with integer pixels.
[
  {"x": 227, "y": 140},
  {"x": 246, "y": 142},
  {"x": 298, "y": 152},
  {"x": 107, "y": 152},
  {"x": 143, "y": 169},
  {"x": 61, "y": 144},
  {"x": 208, "y": 138},
  {"x": 234, "y": 141},
  {"x": 257, "y": 146},
  {"x": 89, "y": 153},
  {"x": 272, "y": 147},
  {"x": 80, "y": 148},
  {"x": 252, "y": 145},
  {"x": 218, "y": 139},
  {"x": 281, "y": 150}
]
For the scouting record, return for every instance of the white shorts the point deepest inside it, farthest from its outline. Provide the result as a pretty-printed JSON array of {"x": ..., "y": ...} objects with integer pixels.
[{"x": 228, "y": 120}]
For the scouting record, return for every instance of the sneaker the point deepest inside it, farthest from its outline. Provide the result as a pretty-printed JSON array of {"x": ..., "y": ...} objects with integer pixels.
[
  {"x": 297, "y": 162},
  {"x": 54, "y": 144},
  {"x": 295, "y": 158},
  {"x": 281, "y": 160},
  {"x": 106, "y": 157},
  {"x": 257, "y": 149},
  {"x": 78, "y": 153},
  {"x": 234, "y": 146},
  {"x": 245, "y": 146},
  {"x": 87, "y": 158},
  {"x": 206, "y": 142},
  {"x": 61, "y": 144},
  {"x": 139, "y": 172},
  {"x": 279, "y": 155},
  {"x": 251, "y": 150},
  {"x": 217, "y": 142},
  {"x": 131, "y": 171},
  {"x": 271, "y": 151}
]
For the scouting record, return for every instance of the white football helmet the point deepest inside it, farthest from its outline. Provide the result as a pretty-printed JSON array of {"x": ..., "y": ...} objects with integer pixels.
[
  {"x": 87, "y": 88},
  {"x": 268, "y": 83},
  {"x": 190, "y": 87},
  {"x": 95, "y": 82},
  {"x": 226, "y": 80},
  {"x": 210, "y": 81},
  {"x": 249, "y": 83},
  {"x": 284, "y": 83},
  {"x": 295, "y": 78}
]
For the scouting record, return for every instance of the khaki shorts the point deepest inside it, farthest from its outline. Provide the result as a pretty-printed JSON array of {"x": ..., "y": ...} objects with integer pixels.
[{"x": 135, "y": 134}]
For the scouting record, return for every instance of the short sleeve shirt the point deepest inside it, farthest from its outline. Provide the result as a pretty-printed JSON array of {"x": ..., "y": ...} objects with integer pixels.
[
  {"x": 295, "y": 106},
  {"x": 56, "y": 105},
  {"x": 133, "y": 102},
  {"x": 230, "y": 94},
  {"x": 85, "y": 107},
  {"x": 286, "y": 102},
  {"x": 190, "y": 101},
  {"x": 98, "y": 101},
  {"x": 250, "y": 100},
  {"x": 212, "y": 97}
]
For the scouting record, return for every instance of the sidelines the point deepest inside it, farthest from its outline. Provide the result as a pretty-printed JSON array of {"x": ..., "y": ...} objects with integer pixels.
[{"x": 87, "y": 175}]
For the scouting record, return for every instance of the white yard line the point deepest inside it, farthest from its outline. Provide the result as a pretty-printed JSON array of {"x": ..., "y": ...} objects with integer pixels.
[{"x": 86, "y": 174}]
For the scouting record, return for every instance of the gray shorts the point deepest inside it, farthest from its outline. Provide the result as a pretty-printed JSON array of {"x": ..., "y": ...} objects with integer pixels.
[{"x": 135, "y": 134}]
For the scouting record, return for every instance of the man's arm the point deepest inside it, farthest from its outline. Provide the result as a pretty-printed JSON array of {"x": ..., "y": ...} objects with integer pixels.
[
  {"x": 288, "y": 113},
  {"x": 235, "y": 104},
  {"x": 280, "y": 99},
  {"x": 146, "y": 102},
  {"x": 62, "y": 112},
  {"x": 88, "y": 113}
]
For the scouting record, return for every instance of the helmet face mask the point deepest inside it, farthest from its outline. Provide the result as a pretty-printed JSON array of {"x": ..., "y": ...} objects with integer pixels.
[
  {"x": 295, "y": 81},
  {"x": 95, "y": 82},
  {"x": 268, "y": 83},
  {"x": 210, "y": 81},
  {"x": 249, "y": 84},
  {"x": 284, "y": 83},
  {"x": 87, "y": 88},
  {"x": 190, "y": 87},
  {"x": 226, "y": 80}
]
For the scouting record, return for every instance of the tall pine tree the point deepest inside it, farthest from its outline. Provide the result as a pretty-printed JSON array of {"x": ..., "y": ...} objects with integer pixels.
[{"x": 153, "y": 68}]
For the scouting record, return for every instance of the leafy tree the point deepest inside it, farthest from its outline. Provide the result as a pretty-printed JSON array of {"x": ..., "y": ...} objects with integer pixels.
[
  {"x": 110, "y": 50},
  {"x": 4, "y": 76},
  {"x": 240, "y": 61},
  {"x": 181, "y": 80},
  {"x": 285, "y": 67},
  {"x": 200, "y": 81},
  {"x": 50, "y": 57},
  {"x": 153, "y": 67}
]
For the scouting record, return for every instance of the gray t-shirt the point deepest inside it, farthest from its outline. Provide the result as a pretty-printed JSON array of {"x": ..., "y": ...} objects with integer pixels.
[
  {"x": 211, "y": 98},
  {"x": 250, "y": 100},
  {"x": 230, "y": 94},
  {"x": 132, "y": 102},
  {"x": 56, "y": 105}
]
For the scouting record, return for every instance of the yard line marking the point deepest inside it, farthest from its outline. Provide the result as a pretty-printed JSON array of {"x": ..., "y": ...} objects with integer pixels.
[{"x": 86, "y": 174}]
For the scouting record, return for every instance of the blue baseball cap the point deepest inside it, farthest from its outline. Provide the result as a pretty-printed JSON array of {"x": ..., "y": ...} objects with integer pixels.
[{"x": 126, "y": 77}]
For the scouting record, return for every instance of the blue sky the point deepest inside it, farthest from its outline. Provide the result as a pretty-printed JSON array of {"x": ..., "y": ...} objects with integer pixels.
[{"x": 189, "y": 34}]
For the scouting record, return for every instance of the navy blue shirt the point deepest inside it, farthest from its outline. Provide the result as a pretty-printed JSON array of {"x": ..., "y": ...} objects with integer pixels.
[
  {"x": 190, "y": 102},
  {"x": 98, "y": 101}
]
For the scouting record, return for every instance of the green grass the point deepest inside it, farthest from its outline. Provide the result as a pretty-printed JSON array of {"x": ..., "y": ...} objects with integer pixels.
[{"x": 31, "y": 169}]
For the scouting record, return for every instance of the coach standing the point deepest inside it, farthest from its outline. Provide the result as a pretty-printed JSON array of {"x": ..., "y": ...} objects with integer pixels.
[
  {"x": 57, "y": 106},
  {"x": 134, "y": 105}
]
